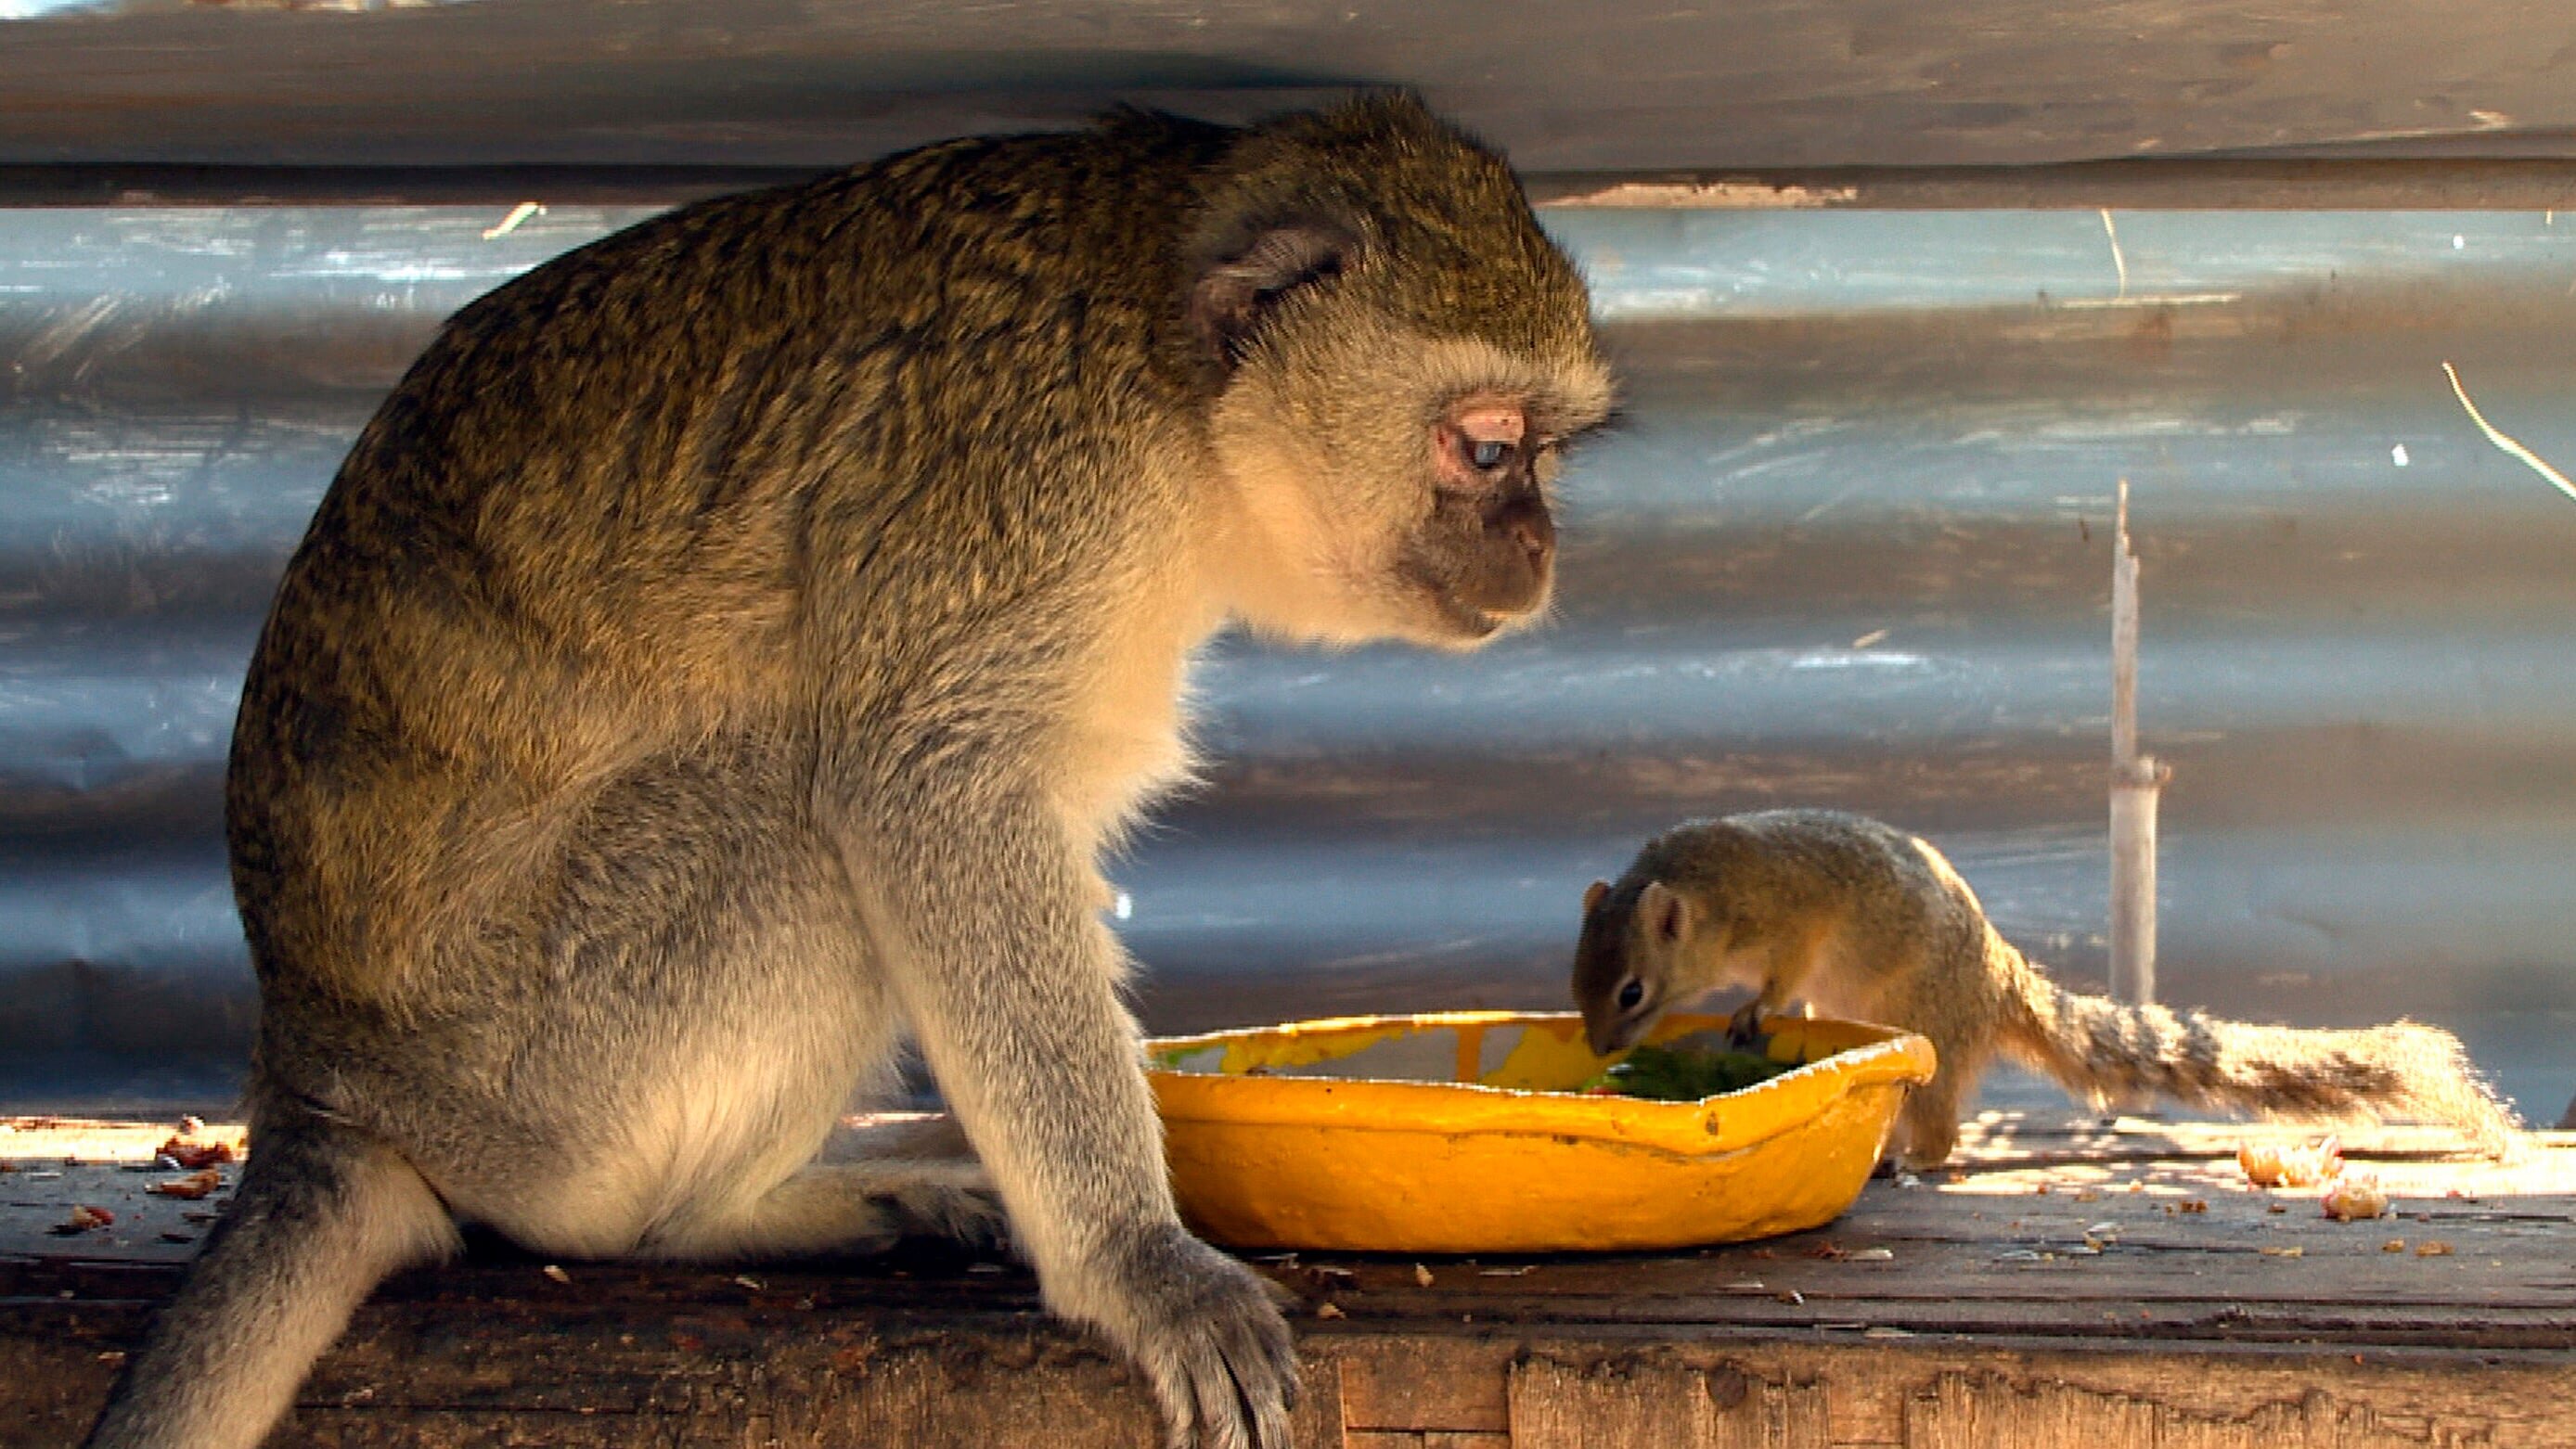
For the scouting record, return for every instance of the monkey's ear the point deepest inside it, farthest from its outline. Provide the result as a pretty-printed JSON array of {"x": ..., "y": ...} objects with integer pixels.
[
  {"x": 1665, "y": 912},
  {"x": 1230, "y": 296},
  {"x": 1593, "y": 893}
]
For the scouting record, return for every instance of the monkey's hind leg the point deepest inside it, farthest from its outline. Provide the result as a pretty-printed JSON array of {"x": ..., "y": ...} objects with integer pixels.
[
  {"x": 843, "y": 1207},
  {"x": 323, "y": 1214}
]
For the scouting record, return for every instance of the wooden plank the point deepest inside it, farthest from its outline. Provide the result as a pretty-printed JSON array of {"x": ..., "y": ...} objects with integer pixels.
[
  {"x": 2198, "y": 183},
  {"x": 2179, "y": 1330},
  {"x": 1659, "y": 1399},
  {"x": 1414, "y": 1385},
  {"x": 1621, "y": 83}
]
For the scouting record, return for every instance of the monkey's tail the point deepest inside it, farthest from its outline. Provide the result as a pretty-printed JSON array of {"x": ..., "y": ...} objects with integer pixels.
[
  {"x": 2106, "y": 1051},
  {"x": 323, "y": 1213}
]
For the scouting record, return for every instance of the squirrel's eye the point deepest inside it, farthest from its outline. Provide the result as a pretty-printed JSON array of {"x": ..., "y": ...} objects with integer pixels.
[
  {"x": 1631, "y": 993},
  {"x": 1487, "y": 454}
]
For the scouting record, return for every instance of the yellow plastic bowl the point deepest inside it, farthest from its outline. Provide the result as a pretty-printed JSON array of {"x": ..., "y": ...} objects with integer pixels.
[{"x": 1461, "y": 1133}]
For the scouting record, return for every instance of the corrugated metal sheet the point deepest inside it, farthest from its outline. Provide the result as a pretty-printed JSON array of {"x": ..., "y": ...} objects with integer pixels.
[{"x": 1848, "y": 549}]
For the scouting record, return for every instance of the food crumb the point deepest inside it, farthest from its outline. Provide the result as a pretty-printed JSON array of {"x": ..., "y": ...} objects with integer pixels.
[
  {"x": 191, "y": 1156},
  {"x": 2352, "y": 1196},
  {"x": 84, "y": 1218},
  {"x": 1422, "y": 1275},
  {"x": 193, "y": 1186},
  {"x": 2432, "y": 1248},
  {"x": 1329, "y": 1310},
  {"x": 556, "y": 1272},
  {"x": 2269, "y": 1164}
]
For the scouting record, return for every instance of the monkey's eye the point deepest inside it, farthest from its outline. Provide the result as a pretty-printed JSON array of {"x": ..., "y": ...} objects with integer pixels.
[
  {"x": 1486, "y": 454},
  {"x": 1632, "y": 992}
]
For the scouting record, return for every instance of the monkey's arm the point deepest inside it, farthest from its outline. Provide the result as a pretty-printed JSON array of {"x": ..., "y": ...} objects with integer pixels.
[{"x": 984, "y": 916}]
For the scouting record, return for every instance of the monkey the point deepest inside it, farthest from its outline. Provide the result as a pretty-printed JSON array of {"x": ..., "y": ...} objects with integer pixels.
[
  {"x": 1861, "y": 919},
  {"x": 728, "y": 652}
]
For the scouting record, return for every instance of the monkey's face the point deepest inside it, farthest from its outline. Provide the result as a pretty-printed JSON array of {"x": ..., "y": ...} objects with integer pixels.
[
  {"x": 1398, "y": 483},
  {"x": 1485, "y": 554},
  {"x": 1395, "y": 352}
]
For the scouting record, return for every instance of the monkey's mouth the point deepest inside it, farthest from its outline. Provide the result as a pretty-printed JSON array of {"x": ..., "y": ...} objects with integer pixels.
[{"x": 1476, "y": 622}]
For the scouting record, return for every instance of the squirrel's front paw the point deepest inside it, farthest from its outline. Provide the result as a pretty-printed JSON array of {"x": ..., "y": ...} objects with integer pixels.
[
  {"x": 1208, "y": 1334},
  {"x": 1744, "y": 1028}
]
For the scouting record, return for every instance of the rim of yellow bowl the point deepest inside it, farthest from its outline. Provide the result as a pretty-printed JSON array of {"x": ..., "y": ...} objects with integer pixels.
[{"x": 1877, "y": 1055}]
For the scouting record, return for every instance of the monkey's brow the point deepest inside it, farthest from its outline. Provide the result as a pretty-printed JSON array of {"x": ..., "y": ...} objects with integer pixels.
[{"x": 1611, "y": 423}]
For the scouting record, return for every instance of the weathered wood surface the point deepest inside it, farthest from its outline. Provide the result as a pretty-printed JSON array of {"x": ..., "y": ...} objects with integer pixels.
[
  {"x": 1613, "y": 84},
  {"x": 1991, "y": 1320}
]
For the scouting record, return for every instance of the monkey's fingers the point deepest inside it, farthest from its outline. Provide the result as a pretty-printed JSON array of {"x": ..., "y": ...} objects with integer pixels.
[
  {"x": 1214, "y": 1347},
  {"x": 1240, "y": 1368}
]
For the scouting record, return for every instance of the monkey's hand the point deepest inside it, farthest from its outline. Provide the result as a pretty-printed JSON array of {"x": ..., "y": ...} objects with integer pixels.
[{"x": 1208, "y": 1334}]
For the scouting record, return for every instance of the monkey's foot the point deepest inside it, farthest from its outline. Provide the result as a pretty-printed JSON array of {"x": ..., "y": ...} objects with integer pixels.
[
  {"x": 847, "y": 1207},
  {"x": 946, "y": 1200}
]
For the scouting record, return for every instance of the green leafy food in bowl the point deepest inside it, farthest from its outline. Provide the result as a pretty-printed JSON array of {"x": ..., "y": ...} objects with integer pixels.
[{"x": 1684, "y": 1074}]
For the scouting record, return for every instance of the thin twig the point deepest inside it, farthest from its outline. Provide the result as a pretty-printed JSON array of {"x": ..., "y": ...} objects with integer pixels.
[{"x": 2537, "y": 464}]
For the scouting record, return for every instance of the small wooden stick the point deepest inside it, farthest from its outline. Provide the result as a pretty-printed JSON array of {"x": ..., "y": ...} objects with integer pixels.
[{"x": 2135, "y": 779}]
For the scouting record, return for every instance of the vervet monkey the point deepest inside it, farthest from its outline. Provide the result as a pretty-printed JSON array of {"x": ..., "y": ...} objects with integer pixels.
[
  {"x": 1861, "y": 919},
  {"x": 732, "y": 645}
]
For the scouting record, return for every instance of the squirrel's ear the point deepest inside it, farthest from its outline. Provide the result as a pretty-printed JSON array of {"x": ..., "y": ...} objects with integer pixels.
[
  {"x": 1593, "y": 893},
  {"x": 1665, "y": 911}
]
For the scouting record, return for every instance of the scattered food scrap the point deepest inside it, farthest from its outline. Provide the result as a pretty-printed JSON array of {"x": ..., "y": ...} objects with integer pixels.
[
  {"x": 192, "y": 1155},
  {"x": 83, "y": 1219},
  {"x": 2432, "y": 1248},
  {"x": 2352, "y": 1196},
  {"x": 2269, "y": 1164},
  {"x": 200, "y": 1183}
]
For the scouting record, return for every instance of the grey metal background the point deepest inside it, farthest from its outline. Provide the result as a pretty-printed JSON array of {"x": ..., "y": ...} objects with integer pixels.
[{"x": 1849, "y": 548}]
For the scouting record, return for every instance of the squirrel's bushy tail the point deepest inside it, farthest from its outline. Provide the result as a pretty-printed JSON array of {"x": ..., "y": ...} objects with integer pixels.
[{"x": 2109, "y": 1052}]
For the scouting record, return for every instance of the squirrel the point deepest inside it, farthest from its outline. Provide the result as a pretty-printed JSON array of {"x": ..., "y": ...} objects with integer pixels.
[{"x": 1859, "y": 918}]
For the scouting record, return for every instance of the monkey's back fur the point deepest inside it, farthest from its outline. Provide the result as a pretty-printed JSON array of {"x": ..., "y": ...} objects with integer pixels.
[{"x": 1866, "y": 920}]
